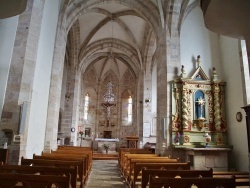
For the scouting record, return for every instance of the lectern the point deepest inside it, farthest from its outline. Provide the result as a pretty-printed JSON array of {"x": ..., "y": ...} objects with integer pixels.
[{"x": 132, "y": 141}]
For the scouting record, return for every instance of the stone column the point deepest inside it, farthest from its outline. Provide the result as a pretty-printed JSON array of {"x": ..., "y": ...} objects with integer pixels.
[
  {"x": 75, "y": 80},
  {"x": 55, "y": 87},
  {"x": 168, "y": 49},
  {"x": 21, "y": 74}
]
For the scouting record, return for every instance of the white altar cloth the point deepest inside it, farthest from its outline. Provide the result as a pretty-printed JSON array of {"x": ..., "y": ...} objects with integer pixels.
[
  {"x": 107, "y": 139},
  {"x": 98, "y": 144}
]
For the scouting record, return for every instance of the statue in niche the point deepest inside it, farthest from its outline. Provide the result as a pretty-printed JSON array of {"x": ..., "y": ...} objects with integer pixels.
[{"x": 199, "y": 105}]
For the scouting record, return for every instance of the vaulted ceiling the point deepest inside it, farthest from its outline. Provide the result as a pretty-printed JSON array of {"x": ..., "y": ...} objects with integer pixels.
[
  {"x": 113, "y": 36},
  {"x": 119, "y": 35}
]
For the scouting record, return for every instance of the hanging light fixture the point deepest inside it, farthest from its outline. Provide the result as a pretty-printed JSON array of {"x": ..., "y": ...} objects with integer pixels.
[
  {"x": 109, "y": 101},
  {"x": 67, "y": 94}
]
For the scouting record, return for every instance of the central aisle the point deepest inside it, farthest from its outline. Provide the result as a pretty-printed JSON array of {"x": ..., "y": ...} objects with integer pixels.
[{"x": 105, "y": 173}]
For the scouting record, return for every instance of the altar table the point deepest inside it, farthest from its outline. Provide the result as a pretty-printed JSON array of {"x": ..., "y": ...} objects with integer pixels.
[{"x": 98, "y": 144}]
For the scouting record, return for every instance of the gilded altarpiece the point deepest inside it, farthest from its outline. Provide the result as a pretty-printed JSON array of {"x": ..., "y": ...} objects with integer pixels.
[{"x": 198, "y": 110}]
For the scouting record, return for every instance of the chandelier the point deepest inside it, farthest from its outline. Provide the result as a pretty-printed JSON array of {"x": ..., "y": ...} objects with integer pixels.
[
  {"x": 109, "y": 97},
  {"x": 109, "y": 101}
]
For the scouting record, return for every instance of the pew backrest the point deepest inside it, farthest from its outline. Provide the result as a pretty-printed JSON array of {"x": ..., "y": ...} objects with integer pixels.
[
  {"x": 41, "y": 170},
  {"x": 206, "y": 182},
  {"x": 171, "y": 172},
  {"x": 83, "y": 170},
  {"x": 57, "y": 163},
  {"x": 33, "y": 181}
]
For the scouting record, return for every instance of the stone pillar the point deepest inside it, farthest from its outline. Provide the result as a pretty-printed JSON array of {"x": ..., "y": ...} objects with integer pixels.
[
  {"x": 56, "y": 86},
  {"x": 74, "y": 104},
  {"x": 168, "y": 61},
  {"x": 21, "y": 74},
  {"x": 161, "y": 91},
  {"x": 248, "y": 51}
]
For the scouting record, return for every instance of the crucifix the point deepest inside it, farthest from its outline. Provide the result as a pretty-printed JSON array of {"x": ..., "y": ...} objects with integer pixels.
[{"x": 201, "y": 102}]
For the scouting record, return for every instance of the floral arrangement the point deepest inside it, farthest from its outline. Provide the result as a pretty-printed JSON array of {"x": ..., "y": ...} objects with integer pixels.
[
  {"x": 106, "y": 146},
  {"x": 81, "y": 133}
]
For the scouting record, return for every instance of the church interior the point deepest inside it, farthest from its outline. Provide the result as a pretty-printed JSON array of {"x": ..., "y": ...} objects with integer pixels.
[{"x": 171, "y": 76}]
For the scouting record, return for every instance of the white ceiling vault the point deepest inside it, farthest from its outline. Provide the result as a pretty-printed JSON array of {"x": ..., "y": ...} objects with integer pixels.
[{"x": 112, "y": 35}]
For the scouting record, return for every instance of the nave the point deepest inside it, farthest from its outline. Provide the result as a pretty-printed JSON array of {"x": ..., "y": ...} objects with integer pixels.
[{"x": 105, "y": 173}]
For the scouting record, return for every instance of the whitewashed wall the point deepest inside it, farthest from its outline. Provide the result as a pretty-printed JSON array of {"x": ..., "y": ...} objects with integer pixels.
[
  {"x": 196, "y": 40},
  {"x": 8, "y": 28},
  {"x": 39, "y": 102},
  {"x": 237, "y": 134},
  {"x": 223, "y": 54}
]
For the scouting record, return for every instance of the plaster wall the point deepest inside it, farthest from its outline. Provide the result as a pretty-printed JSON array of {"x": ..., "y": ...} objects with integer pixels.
[
  {"x": 8, "y": 28},
  {"x": 39, "y": 104},
  {"x": 223, "y": 54},
  {"x": 196, "y": 40},
  {"x": 237, "y": 134}
]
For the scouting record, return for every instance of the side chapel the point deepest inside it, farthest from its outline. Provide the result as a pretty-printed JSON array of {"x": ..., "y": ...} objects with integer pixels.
[{"x": 199, "y": 117}]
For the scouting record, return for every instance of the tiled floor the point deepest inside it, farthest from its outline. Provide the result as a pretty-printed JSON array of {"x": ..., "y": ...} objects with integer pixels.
[{"x": 105, "y": 173}]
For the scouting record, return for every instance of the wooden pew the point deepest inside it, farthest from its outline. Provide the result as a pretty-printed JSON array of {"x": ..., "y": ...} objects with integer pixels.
[
  {"x": 123, "y": 151},
  {"x": 58, "y": 163},
  {"x": 133, "y": 161},
  {"x": 172, "y": 171},
  {"x": 41, "y": 170},
  {"x": 8, "y": 180},
  {"x": 241, "y": 178},
  {"x": 74, "y": 147},
  {"x": 75, "y": 152},
  {"x": 138, "y": 167},
  {"x": 128, "y": 156},
  {"x": 83, "y": 171},
  {"x": 206, "y": 182}
]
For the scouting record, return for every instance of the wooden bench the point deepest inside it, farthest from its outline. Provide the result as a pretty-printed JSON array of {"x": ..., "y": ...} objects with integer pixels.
[
  {"x": 74, "y": 147},
  {"x": 33, "y": 181},
  {"x": 75, "y": 152},
  {"x": 136, "y": 176},
  {"x": 58, "y": 163},
  {"x": 206, "y": 182},
  {"x": 126, "y": 159},
  {"x": 241, "y": 178},
  {"x": 83, "y": 171},
  {"x": 128, "y": 175},
  {"x": 41, "y": 170},
  {"x": 123, "y": 151},
  {"x": 172, "y": 171}
]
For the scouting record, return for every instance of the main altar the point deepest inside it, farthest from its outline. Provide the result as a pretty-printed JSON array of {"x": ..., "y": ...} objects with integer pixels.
[{"x": 98, "y": 144}]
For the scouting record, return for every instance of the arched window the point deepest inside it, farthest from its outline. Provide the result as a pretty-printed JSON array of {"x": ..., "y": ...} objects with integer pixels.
[
  {"x": 129, "y": 109},
  {"x": 86, "y": 106}
]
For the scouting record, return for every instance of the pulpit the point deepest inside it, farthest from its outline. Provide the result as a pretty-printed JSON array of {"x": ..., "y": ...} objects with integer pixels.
[{"x": 132, "y": 141}]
